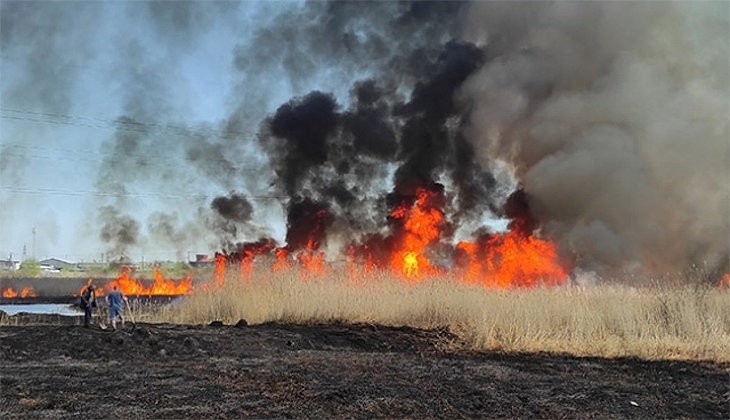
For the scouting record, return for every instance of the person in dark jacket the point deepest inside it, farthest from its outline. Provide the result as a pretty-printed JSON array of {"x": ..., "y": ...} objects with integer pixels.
[{"x": 88, "y": 302}]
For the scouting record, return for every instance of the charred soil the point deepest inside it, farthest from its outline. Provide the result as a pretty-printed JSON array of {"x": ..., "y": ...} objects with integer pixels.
[{"x": 329, "y": 371}]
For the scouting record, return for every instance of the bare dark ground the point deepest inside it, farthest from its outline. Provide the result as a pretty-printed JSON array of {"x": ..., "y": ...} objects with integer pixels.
[{"x": 329, "y": 371}]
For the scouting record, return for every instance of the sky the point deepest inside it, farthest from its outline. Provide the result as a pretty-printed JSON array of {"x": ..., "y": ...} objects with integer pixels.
[
  {"x": 159, "y": 130},
  {"x": 69, "y": 69}
]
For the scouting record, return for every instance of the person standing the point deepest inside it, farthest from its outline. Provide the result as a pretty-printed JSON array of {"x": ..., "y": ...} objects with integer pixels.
[
  {"x": 88, "y": 302},
  {"x": 115, "y": 299}
]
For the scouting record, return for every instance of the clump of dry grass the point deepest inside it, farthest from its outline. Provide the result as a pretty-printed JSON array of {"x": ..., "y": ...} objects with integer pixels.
[{"x": 654, "y": 323}]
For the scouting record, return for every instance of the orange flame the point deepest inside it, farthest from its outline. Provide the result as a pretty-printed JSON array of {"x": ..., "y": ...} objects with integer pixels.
[
  {"x": 311, "y": 261},
  {"x": 246, "y": 267},
  {"x": 10, "y": 293},
  {"x": 97, "y": 291},
  {"x": 512, "y": 259},
  {"x": 356, "y": 270},
  {"x": 247, "y": 252},
  {"x": 282, "y": 259},
  {"x": 131, "y": 286},
  {"x": 516, "y": 258},
  {"x": 352, "y": 271},
  {"x": 724, "y": 282},
  {"x": 421, "y": 223},
  {"x": 164, "y": 286},
  {"x": 126, "y": 284},
  {"x": 220, "y": 268}
]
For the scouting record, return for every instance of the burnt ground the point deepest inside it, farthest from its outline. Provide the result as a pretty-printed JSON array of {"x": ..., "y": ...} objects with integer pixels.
[{"x": 329, "y": 371}]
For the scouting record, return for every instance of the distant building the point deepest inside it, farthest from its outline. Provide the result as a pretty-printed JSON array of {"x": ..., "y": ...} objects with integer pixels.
[
  {"x": 55, "y": 265},
  {"x": 9, "y": 265}
]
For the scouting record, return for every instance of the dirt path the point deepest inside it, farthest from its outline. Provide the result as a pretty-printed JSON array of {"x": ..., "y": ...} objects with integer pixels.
[{"x": 329, "y": 371}]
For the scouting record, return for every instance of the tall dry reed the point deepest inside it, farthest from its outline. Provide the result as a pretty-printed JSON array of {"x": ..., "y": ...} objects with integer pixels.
[{"x": 680, "y": 322}]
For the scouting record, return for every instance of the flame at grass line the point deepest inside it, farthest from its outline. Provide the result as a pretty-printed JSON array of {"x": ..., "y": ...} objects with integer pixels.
[
  {"x": 724, "y": 282},
  {"x": 282, "y": 261},
  {"x": 97, "y": 291},
  {"x": 310, "y": 259},
  {"x": 25, "y": 292},
  {"x": 312, "y": 262},
  {"x": 131, "y": 286},
  {"x": 421, "y": 227},
  {"x": 516, "y": 258},
  {"x": 163, "y": 286},
  {"x": 219, "y": 268},
  {"x": 512, "y": 259},
  {"x": 10, "y": 293}
]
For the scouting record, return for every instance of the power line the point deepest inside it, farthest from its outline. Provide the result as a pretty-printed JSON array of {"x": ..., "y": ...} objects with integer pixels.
[
  {"x": 77, "y": 193},
  {"x": 118, "y": 125},
  {"x": 114, "y": 124},
  {"x": 103, "y": 128},
  {"x": 161, "y": 162}
]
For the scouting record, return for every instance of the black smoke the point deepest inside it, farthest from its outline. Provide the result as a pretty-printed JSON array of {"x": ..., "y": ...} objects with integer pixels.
[
  {"x": 517, "y": 209},
  {"x": 303, "y": 125},
  {"x": 427, "y": 143},
  {"x": 120, "y": 232},
  {"x": 249, "y": 250},
  {"x": 307, "y": 222},
  {"x": 322, "y": 154},
  {"x": 235, "y": 208},
  {"x": 369, "y": 123}
]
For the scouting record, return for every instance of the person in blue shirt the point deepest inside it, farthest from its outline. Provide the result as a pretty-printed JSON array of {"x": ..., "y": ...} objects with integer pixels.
[{"x": 115, "y": 299}]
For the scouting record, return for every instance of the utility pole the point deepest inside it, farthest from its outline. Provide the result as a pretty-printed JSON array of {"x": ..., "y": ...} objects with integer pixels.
[{"x": 33, "y": 242}]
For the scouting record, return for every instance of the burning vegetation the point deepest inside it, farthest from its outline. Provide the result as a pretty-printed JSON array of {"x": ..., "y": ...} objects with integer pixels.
[
  {"x": 129, "y": 285},
  {"x": 413, "y": 248},
  {"x": 25, "y": 292}
]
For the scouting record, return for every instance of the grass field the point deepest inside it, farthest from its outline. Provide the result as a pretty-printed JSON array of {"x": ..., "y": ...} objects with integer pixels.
[{"x": 677, "y": 322}]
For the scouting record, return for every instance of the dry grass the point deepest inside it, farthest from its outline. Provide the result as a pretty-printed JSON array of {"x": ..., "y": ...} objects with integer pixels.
[{"x": 653, "y": 323}]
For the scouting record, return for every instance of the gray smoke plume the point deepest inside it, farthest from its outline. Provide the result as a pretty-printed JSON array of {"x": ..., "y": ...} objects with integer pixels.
[
  {"x": 118, "y": 231},
  {"x": 186, "y": 232},
  {"x": 615, "y": 118},
  {"x": 51, "y": 28},
  {"x": 49, "y": 73},
  {"x": 145, "y": 158}
]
